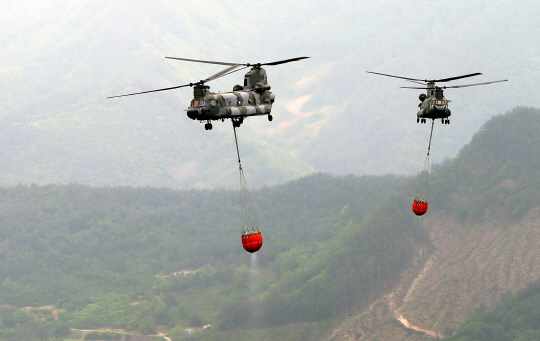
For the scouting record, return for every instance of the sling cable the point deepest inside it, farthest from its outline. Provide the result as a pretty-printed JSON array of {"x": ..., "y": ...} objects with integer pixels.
[
  {"x": 420, "y": 203},
  {"x": 251, "y": 239}
]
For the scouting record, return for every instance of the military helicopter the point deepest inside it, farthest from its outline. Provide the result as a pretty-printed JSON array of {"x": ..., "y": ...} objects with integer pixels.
[
  {"x": 433, "y": 105},
  {"x": 251, "y": 99}
]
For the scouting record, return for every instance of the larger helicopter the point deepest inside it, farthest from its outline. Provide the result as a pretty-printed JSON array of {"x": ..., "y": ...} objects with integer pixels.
[
  {"x": 251, "y": 99},
  {"x": 433, "y": 105}
]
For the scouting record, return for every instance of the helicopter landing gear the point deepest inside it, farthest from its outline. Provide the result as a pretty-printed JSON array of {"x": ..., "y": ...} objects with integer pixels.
[
  {"x": 237, "y": 123},
  {"x": 417, "y": 120},
  {"x": 443, "y": 121},
  {"x": 270, "y": 118},
  {"x": 208, "y": 126}
]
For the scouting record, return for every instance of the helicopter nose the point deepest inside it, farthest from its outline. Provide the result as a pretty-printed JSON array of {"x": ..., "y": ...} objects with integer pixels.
[{"x": 192, "y": 113}]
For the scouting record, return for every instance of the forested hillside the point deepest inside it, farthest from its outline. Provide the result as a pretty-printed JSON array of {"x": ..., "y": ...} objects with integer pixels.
[
  {"x": 497, "y": 175},
  {"x": 94, "y": 251},
  {"x": 149, "y": 260},
  {"x": 483, "y": 221},
  {"x": 515, "y": 318}
]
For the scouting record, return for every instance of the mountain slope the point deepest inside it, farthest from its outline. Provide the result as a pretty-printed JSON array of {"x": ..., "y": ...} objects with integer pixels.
[{"x": 483, "y": 221}]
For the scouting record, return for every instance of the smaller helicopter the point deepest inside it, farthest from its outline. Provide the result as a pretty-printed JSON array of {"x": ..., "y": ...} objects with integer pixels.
[
  {"x": 251, "y": 99},
  {"x": 433, "y": 104}
]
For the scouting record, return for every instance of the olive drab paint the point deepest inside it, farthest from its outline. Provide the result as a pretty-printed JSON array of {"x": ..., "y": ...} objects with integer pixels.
[
  {"x": 434, "y": 105},
  {"x": 252, "y": 99}
]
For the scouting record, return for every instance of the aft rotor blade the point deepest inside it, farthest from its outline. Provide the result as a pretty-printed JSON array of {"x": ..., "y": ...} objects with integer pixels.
[
  {"x": 409, "y": 79},
  {"x": 285, "y": 61},
  {"x": 222, "y": 73},
  {"x": 454, "y": 78},
  {"x": 204, "y": 61},
  {"x": 467, "y": 85},
  {"x": 145, "y": 92}
]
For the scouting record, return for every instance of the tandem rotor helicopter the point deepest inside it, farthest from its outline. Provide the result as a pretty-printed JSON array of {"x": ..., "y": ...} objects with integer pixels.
[
  {"x": 433, "y": 104},
  {"x": 251, "y": 99}
]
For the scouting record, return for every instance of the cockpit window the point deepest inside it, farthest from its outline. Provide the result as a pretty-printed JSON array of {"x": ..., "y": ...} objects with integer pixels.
[
  {"x": 440, "y": 102},
  {"x": 199, "y": 103}
]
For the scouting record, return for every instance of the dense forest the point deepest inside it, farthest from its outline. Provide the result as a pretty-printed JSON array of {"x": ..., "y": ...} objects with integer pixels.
[
  {"x": 496, "y": 175},
  {"x": 95, "y": 251},
  {"x": 515, "y": 318}
]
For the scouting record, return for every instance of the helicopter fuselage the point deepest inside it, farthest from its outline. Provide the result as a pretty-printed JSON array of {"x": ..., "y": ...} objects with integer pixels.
[
  {"x": 207, "y": 106},
  {"x": 434, "y": 106},
  {"x": 252, "y": 99}
]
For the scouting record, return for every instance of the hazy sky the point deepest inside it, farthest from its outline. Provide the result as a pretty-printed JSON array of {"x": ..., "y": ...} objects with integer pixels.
[{"x": 61, "y": 59}]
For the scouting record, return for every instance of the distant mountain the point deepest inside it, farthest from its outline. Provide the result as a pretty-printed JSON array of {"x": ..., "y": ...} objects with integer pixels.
[{"x": 60, "y": 61}]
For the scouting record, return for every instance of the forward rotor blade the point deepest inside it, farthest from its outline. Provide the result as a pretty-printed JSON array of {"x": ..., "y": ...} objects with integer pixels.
[
  {"x": 232, "y": 64},
  {"x": 467, "y": 85},
  {"x": 285, "y": 61},
  {"x": 455, "y": 86},
  {"x": 145, "y": 92},
  {"x": 417, "y": 82},
  {"x": 204, "y": 61},
  {"x": 454, "y": 78},
  {"x": 222, "y": 73},
  {"x": 409, "y": 79},
  {"x": 228, "y": 73}
]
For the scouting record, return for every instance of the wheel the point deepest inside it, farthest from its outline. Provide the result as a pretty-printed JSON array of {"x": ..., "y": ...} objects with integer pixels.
[
  {"x": 443, "y": 121},
  {"x": 270, "y": 118},
  {"x": 209, "y": 126},
  {"x": 206, "y": 126},
  {"x": 417, "y": 120},
  {"x": 447, "y": 121}
]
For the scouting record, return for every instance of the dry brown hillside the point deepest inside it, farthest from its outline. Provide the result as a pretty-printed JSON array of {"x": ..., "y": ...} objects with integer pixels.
[{"x": 468, "y": 266}]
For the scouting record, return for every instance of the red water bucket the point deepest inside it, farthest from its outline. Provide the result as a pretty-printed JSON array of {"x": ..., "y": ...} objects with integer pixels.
[
  {"x": 252, "y": 241},
  {"x": 419, "y": 207}
]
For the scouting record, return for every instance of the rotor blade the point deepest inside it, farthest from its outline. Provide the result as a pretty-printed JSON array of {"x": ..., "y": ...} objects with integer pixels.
[
  {"x": 454, "y": 78},
  {"x": 145, "y": 92},
  {"x": 204, "y": 61},
  {"x": 409, "y": 79},
  {"x": 222, "y": 73},
  {"x": 467, "y": 85},
  {"x": 228, "y": 73},
  {"x": 285, "y": 61},
  {"x": 456, "y": 86},
  {"x": 417, "y": 82}
]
